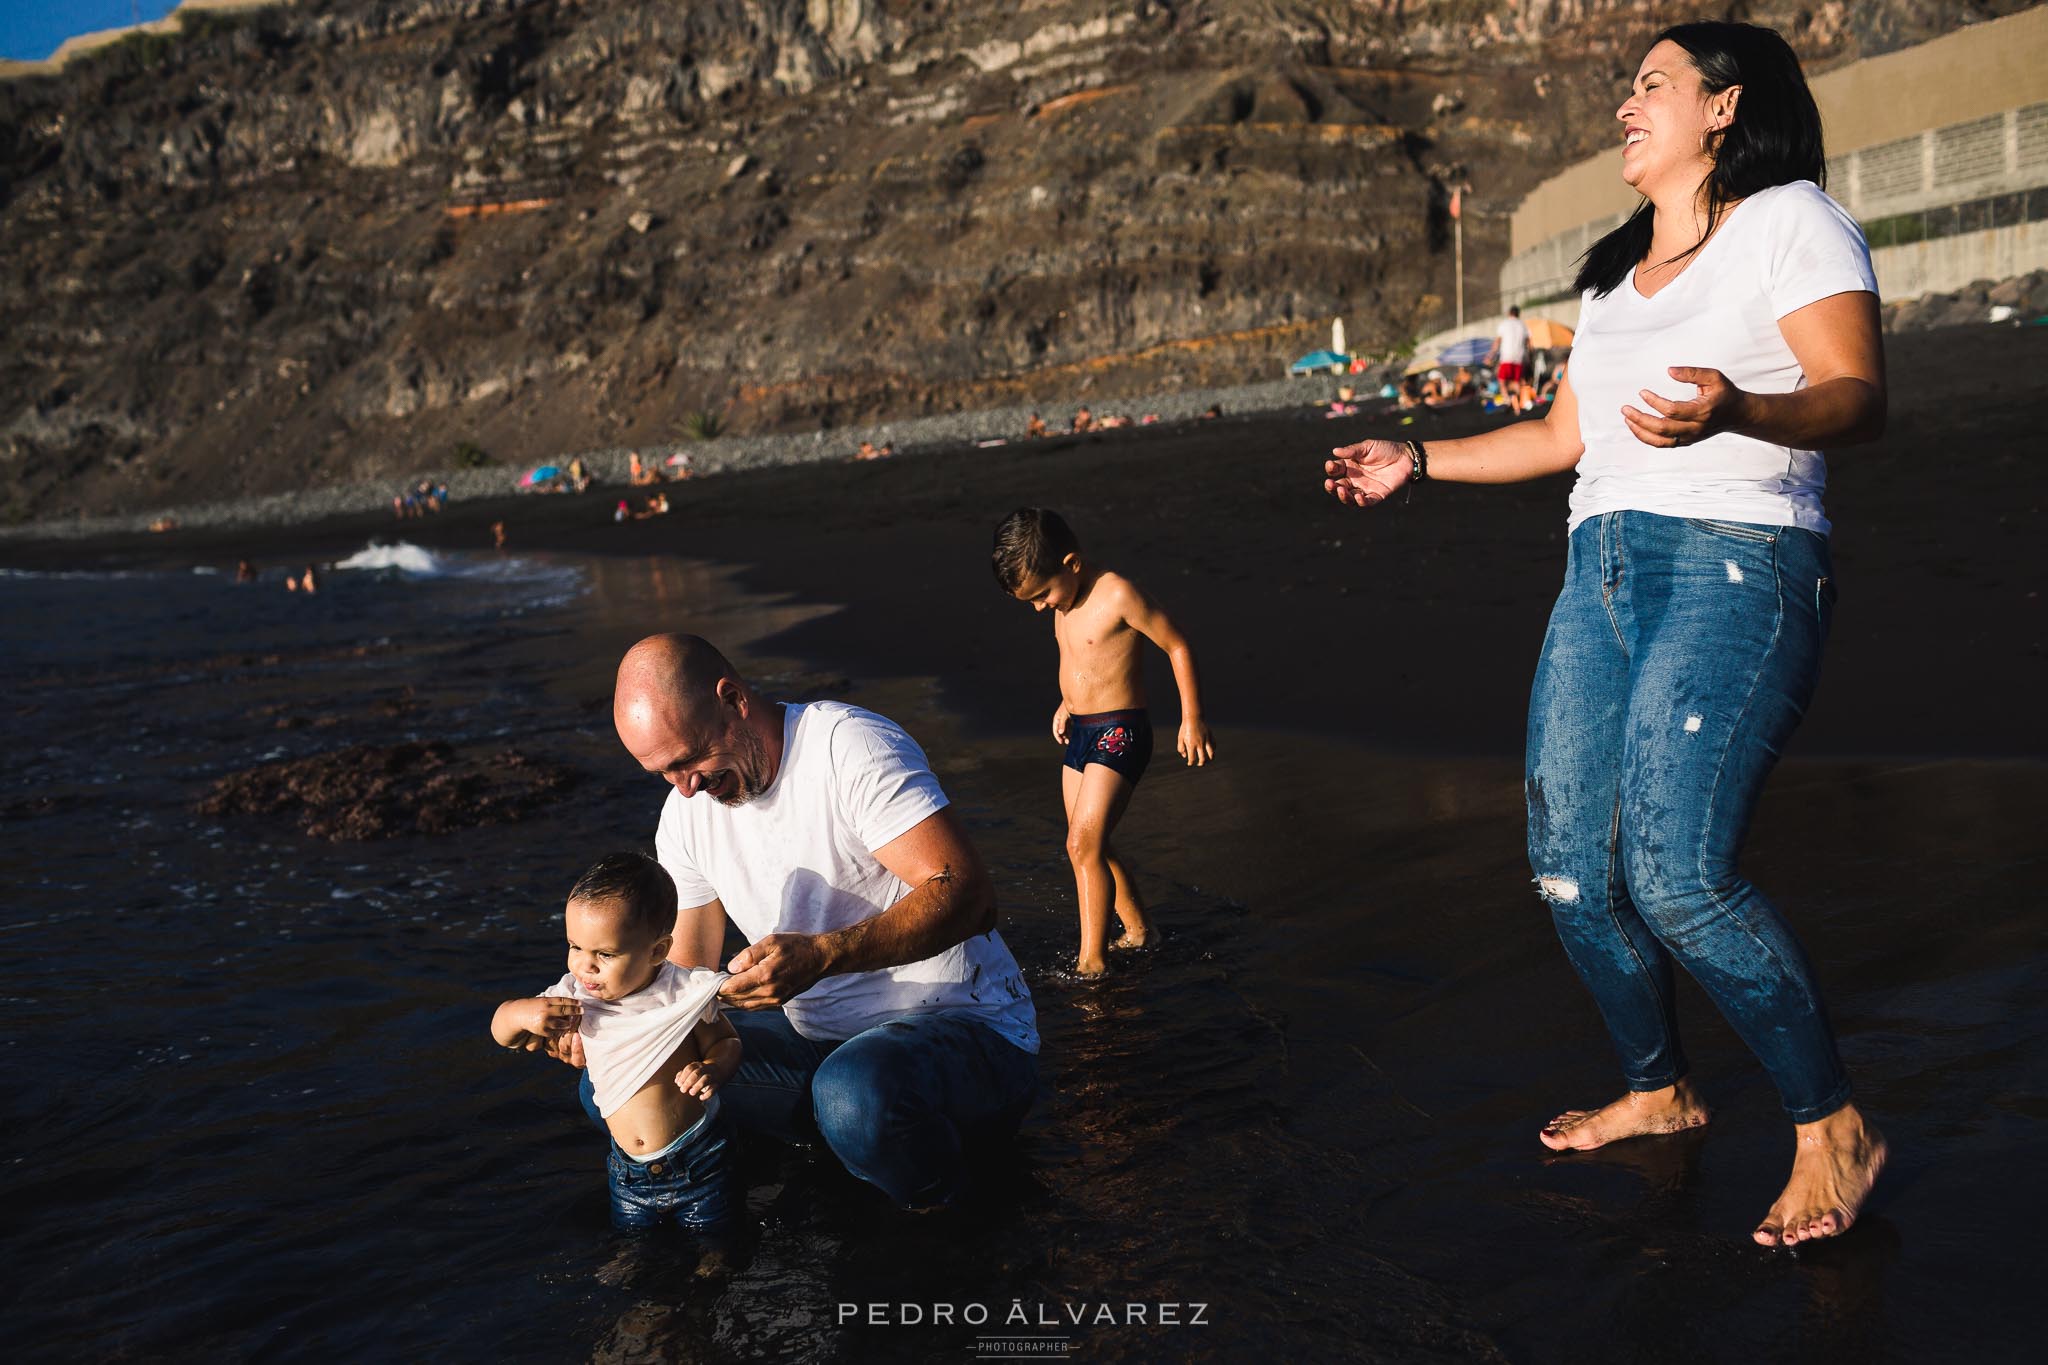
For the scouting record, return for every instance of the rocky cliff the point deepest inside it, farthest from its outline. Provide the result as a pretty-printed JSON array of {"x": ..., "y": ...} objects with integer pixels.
[{"x": 336, "y": 240}]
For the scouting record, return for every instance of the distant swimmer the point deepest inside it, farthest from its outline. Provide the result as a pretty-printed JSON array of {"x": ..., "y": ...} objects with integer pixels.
[{"x": 1099, "y": 619}]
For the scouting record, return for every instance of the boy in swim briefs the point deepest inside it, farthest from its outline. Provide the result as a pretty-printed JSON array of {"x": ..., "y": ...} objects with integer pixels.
[
  {"x": 1098, "y": 620},
  {"x": 657, "y": 1047}
]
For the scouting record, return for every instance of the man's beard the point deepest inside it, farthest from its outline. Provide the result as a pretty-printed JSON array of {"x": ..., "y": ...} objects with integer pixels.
[{"x": 750, "y": 776}]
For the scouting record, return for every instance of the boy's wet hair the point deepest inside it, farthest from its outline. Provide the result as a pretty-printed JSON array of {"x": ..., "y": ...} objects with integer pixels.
[
  {"x": 1031, "y": 543},
  {"x": 635, "y": 882}
]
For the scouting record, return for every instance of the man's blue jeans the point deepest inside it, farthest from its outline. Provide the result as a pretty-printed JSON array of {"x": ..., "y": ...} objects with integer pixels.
[
  {"x": 896, "y": 1104},
  {"x": 1680, "y": 657}
]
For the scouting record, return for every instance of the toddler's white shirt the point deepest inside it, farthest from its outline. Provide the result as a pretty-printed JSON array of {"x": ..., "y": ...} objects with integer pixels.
[{"x": 626, "y": 1041}]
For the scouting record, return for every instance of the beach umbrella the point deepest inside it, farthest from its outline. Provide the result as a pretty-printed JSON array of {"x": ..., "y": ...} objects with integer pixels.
[
  {"x": 1422, "y": 364},
  {"x": 1318, "y": 360},
  {"x": 1544, "y": 334},
  {"x": 1469, "y": 351},
  {"x": 541, "y": 474},
  {"x": 1337, "y": 338}
]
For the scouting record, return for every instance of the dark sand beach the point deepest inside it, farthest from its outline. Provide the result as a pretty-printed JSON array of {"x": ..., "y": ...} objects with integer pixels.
[{"x": 257, "y": 1112}]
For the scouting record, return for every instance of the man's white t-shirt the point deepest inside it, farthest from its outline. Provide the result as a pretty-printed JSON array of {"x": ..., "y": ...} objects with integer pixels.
[
  {"x": 1776, "y": 252},
  {"x": 1512, "y": 340},
  {"x": 799, "y": 859}
]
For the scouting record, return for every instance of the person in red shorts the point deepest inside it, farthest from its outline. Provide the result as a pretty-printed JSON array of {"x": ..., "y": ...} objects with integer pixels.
[{"x": 1511, "y": 349}]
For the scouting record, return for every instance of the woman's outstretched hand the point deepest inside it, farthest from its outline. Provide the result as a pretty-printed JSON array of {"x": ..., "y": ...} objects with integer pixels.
[
  {"x": 1367, "y": 473},
  {"x": 1719, "y": 407}
]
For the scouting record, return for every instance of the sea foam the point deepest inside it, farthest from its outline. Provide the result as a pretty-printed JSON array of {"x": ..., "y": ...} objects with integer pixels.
[{"x": 405, "y": 556}]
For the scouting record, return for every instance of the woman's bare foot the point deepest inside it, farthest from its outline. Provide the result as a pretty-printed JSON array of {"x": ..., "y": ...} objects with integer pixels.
[
  {"x": 1086, "y": 967},
  {"x": 1640, "y": 1113},
  {"x": 1129, "y": 939},
  {"x": 1836, "y": 1163}
]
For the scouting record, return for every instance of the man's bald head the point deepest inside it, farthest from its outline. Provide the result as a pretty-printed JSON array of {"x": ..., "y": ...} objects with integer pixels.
[
  {"x": 684, "y": 712},
  {"x": 672, "y": 679}
]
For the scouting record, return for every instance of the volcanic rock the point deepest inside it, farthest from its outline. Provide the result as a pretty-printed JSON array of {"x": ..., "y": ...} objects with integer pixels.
[
  {"x": 333, "y": 242},
  {"x": 379, "y": 792}
]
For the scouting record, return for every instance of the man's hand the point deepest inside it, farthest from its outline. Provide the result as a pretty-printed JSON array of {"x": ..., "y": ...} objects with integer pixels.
[
  {"x": 1365, "y": 474},
  {"x": 1720, "y": 407},
  {"x": 697, "y": 1081},
  {"x": 1059, "y": 722},
  {"x": 1195, "y": 744},
  {"x": 772, "y": 971}
]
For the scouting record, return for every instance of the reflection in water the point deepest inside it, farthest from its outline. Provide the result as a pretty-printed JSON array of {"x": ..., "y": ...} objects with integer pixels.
[{"x": 660, "y": 592}]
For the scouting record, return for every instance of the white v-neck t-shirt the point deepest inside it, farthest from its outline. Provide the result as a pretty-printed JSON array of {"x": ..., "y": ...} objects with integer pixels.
[
  {"x": 799, "y": 858},
  {"x": 1775, "y": 252}
]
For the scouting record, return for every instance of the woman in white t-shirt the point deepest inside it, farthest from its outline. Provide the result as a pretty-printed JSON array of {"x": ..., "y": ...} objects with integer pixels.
[{"x": 1729, "y": 331}]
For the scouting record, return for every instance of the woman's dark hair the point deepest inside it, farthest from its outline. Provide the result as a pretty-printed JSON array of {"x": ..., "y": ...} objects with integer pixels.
[{"x": 1774, "y": 139}]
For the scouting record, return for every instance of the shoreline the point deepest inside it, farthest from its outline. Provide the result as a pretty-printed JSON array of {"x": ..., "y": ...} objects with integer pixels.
[
  {"x": 715, "y": 456},
  {"x": 1413, "y": 628}
]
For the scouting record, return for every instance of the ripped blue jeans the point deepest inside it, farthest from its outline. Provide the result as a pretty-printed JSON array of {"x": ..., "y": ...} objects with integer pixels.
[{"x": 1680, "y": 657}]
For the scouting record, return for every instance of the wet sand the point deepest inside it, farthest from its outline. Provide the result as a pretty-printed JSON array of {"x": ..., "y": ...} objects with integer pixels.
[
  {"x": 1414, "y": 627},
  {"x": 1359, "y": 1017}
]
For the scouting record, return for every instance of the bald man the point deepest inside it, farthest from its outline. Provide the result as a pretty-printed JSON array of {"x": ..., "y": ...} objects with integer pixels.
[{"x": 878, "y": 1007}]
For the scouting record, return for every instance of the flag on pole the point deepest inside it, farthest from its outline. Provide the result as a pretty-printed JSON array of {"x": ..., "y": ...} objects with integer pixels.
[{"x": 1456, "y": 195}]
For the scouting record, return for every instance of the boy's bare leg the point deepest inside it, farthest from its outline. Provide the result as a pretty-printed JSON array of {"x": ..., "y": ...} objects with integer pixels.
[
  {"x": 1095, "y": 799},
  {"x": 1128, "y": 909}
]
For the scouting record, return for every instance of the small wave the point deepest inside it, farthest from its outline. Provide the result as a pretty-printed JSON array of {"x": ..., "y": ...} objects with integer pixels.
[
  {"x": 405, "y": 557},
  {"x": 522, "y": 584}
]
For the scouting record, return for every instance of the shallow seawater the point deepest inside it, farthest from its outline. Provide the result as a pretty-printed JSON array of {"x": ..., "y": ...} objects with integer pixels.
[{"x": 255, "y": 1111}]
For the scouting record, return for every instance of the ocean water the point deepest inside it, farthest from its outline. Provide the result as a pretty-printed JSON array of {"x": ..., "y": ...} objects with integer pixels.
[
  {"x": 254, "y": 1111},
  {"x": 258, "y": 1113}
]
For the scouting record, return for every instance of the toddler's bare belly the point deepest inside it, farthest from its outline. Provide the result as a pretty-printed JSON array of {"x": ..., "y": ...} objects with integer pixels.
[{"x": 658, "y": 1113}]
